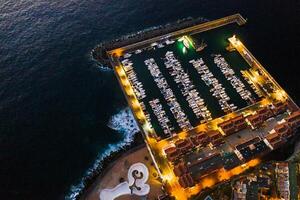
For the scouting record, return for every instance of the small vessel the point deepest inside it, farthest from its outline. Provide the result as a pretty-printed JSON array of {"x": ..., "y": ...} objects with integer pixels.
[
  {"x": 186, "y": 44},
  {"x": 127, "y": 55},
  {"x": 154, "y": 44},
  {"x": 138, "y": 51},
  {"x": 160, "y": 45},
  {"x": 201, "y": 46},
  {"x": 169, "y": 42}
]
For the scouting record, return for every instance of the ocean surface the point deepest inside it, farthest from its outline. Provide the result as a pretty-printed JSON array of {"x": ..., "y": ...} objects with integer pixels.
[{"x": 61, "y": 113}]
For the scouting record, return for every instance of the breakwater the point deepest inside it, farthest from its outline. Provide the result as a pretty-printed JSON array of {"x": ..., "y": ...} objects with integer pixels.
[
  {"x": 140, "y": 39},
  {"x": 99, "y": 52}
]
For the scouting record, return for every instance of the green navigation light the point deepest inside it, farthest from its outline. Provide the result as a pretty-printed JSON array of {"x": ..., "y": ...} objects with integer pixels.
[{"x": 187, "y": 43}]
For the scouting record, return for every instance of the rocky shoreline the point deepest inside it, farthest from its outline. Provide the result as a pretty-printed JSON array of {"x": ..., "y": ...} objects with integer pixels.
[{"x": 106, "y": 163}]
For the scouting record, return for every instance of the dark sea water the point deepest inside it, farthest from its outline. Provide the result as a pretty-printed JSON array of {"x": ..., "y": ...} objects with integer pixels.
[{"x": 55, "y": 102}]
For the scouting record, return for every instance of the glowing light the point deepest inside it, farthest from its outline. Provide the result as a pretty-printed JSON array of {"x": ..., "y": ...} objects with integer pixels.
[
  {"x": 181, "y": 39},
  {"x": 208, "y": 182},
  {"x": 191, "y": 43},
  {"x": 280, "y": 95},
  {"x": 184, "y": 50},
  {"x": 234, "y": 41},
  {"x": 168, "y": 177},
  {"x": 147, "y": 127},
  {"x": 118, "y": 52},
  {"x": 187, "y": 42}
]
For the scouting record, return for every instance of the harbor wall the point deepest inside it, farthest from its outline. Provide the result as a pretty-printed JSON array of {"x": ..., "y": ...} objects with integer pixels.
[{"x": 103, "y": 51}]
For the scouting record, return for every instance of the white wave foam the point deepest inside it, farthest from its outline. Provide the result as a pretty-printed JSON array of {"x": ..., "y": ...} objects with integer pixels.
[
  {"x": 103, "y": 68},
  {"x": 98, "y": 64},
  {"x": 124, "y": 123}
]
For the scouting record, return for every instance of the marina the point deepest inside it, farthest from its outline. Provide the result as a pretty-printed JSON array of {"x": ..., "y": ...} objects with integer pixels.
[
  {"x": 208, "y": 110},
  {"x": 192, "y": 87}
]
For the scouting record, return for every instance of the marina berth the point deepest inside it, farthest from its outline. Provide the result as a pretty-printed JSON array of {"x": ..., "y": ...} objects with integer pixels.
[
  {"x": 186, "y": 87},
  {"x": 142, "y": 104},
  {"x": 217, "y": 90},
  {"x": 236, "y": 83},
  {"x": 137, "y": 85},
  {"x": 251, "y": 83},
  {"x": 161, "y": 117},
  {"x": 168, "y": 94}
]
